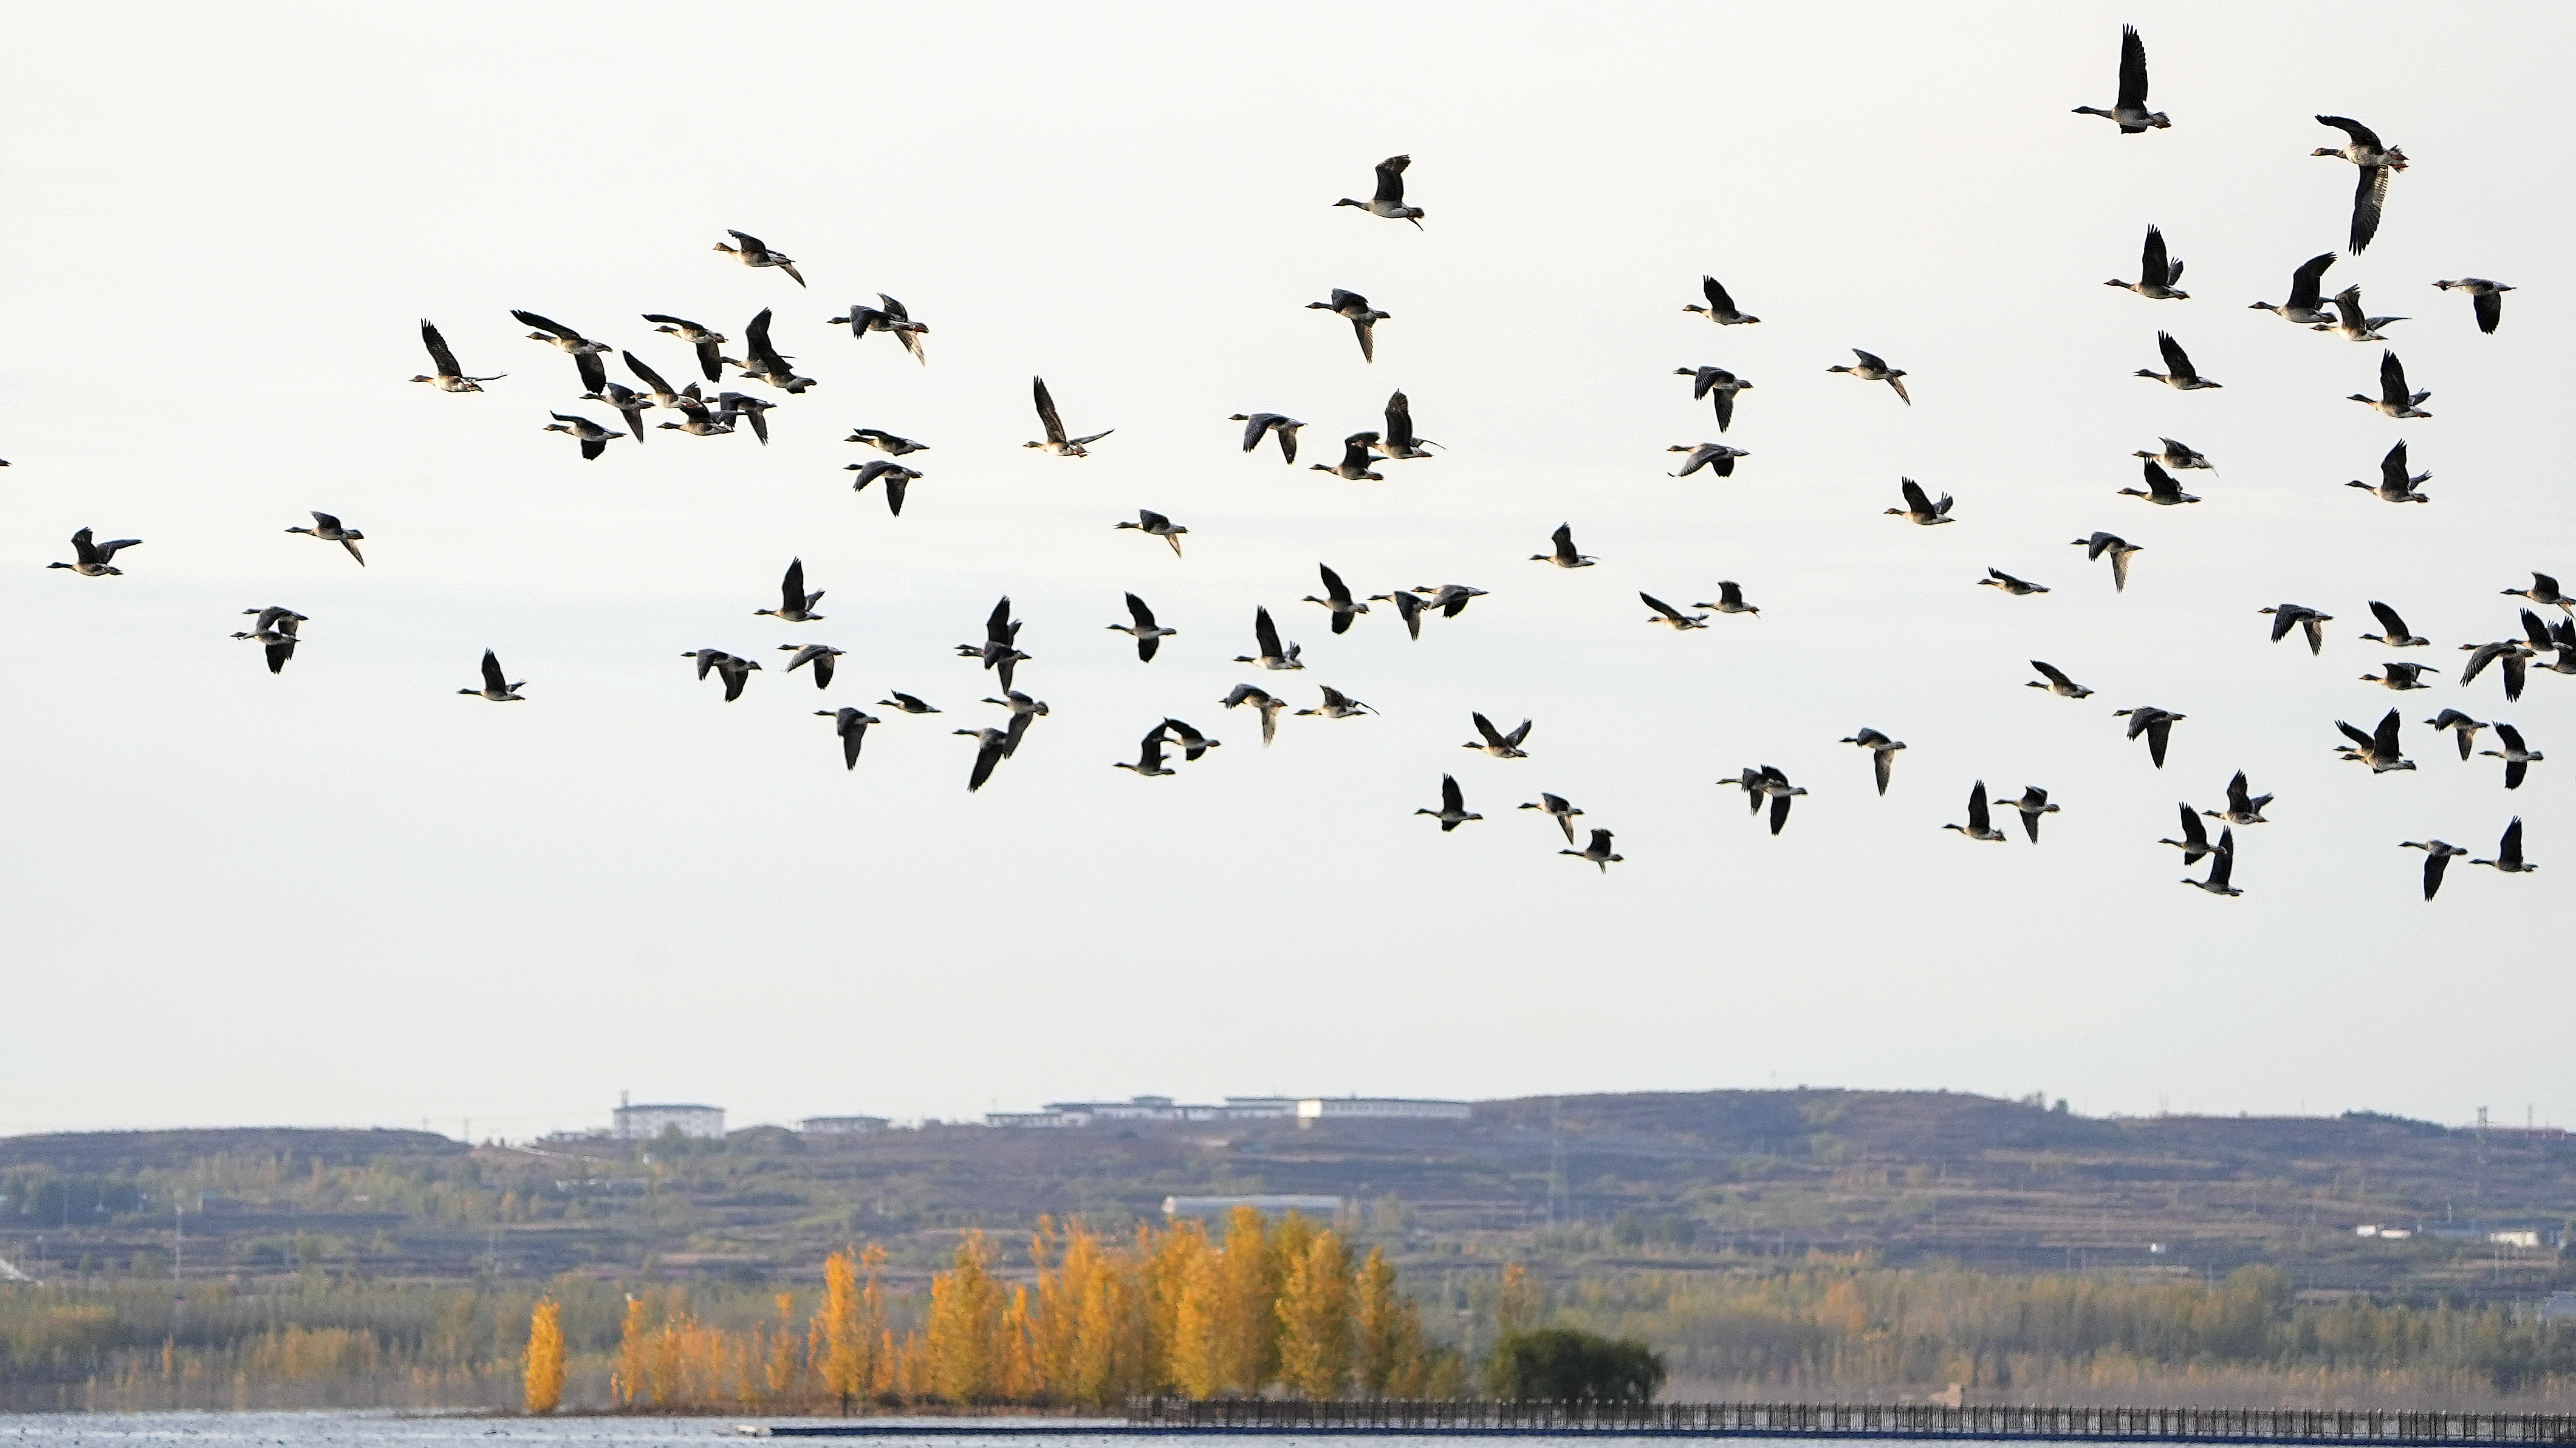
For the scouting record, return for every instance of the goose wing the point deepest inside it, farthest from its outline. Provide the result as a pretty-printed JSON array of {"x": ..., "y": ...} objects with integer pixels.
[
  {"x": 1517, "y": 735},
  {"x": 541, "y": 324},
  {"x": 1452, "y": 799},
  {"x": 1869, "y": 360},
  {"x": 2509, "y": 848},
  {"x": 1882, "y": 764},
  {"x": 1563, "y": 538},
  {"x": 2361, "y": 134},
  {"x": 2053, "y": 674},
  {"x": 1390, "y": 180},
  {"x": 594, "y": 373},
  {"x": 1979, "y": 819},
  {"x": 2133, "y": 70},
  {"x": 2369, "y": 198},
  {"x": 2153, "y": 266},
  {"x": 2308, "y": 282},
  {"x": 1915, "y": 502},
  {"x": 2389, "y": 623},
  {"x": 2177, "y": 361},
  {"x": 997, "y": 626},
  {"x": 2239, "y": 800},
  {"x": 2489, "y": 307},
  {"x": 2159, "y": 482},
  {"x": 1659, "y": 606},
  {"x": 646, "y": 375},
  {"x": 2392, "y": 468},
  {"x": 2385, "y": 737},
  {"x": 1334, "y": 588},
  {"x": 2195, "y": 838},
  {"x": 1265, "y": 633},
  {"x": 1723, "y": 404},
  {"x": 1485, "y": 727},
  {"x": 492, "y": 679},
  {"x": 756, "y": 339},
  {"x": 988, "y": 752},
  {"x": 1399, "y": 421},
  {"x": 1718, "y": 300},
  {"x": 1355, "y": 451},
  {"x": 1255, "y": 426},
  {"x": 439, "y": 356},
  {"x": 1047, "y": 419},
  {"x": 791, "y": 586},
  {"x": 2392, "y": 380},
  {"x": 2222, "y": 861}
]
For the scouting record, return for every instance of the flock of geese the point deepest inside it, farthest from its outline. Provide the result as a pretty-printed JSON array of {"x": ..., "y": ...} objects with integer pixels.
[{"x": 707, "y": 407}]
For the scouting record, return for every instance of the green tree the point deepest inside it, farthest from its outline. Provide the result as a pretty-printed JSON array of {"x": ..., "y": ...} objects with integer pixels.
[{"x": 1558, "y": 1363}]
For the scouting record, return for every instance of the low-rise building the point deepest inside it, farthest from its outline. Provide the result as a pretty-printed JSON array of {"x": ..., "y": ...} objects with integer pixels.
[
  {"x": 1380, "y": 1108},
  {"x": 842, "y": 1125},
  {"x": 643, "y": 1123}
]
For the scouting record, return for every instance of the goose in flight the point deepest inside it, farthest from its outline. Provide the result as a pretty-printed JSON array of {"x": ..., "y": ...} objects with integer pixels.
[
  {"x": 2130, "y": 111},
  {"x": 661, "y": 391},
  {"x": 1408, "y": 607},
  {"x": 1730, "y": 599},
  {"x": 1717, "y": 457},
  {"x": 2119, "y": 548},
  {"x": 734, "y": 669},
  {"x": 852, "y": 726},
  {"x": 1148, "y": 634},
  {"x": 1450, "y": 598},
  {"x": 897, "y": 478},
  {"x": 2178, "y": 373},
  {"x": 2161, "y": 489},
  {"x": 889, "y": 318},
  {"x": 1453, "y": 806},
  {"x": 762, "y": 362},
  {"x": 2379, "y": 749},
  {"x": 2510, "y": 657},
  {"x": 1355, "y": 309},
  {"x": 1389, "y": 200},
  {"x": 2401, "y": 677},
  {"x": 2517, "y": 758},
  {"x": 592, "y": 437},
  {"x": 1155, "y": 525},
  {"x": 795, "y": 605},
  {"x": 1882, "y": 753},
  {"x": 2509, "y": 852},
  {"x": 451, "y": 378},
  {"x": 2349, "y": 323},
  {"x": 884, "y": 441},
  {"x": 2307, "y": 285},
  {"x": 275, "y": 630},
  {"x": 2222, "y": 867},
  {"x": 2437, "y": 858},
  {"x": 585, "y": 352},
  {"x": 496, "y": 685},
  {"x": 1265, "y": 635},
  {"x": 1497, "y": 743},
  {"x": 1400, "y": 444},
  {"x": 1719, "y": 386},
  {"x": 1263, "y": 702},
  {"x": 751, "y": 252},
  {"x": 1871, "y": 369},
  {"x": 1665, "y": 613},
  {"x": 2393, "y": 630},
  {"x": 1980, "y": 825},
  {"x": 2393, "y": 399},
  {"x": 2287, "y": 616},
  {"x": 2394, "y": 485},
  {"x": 1257, "y": 425},
  {"x": 2177, "y": 456},
  {"x": 1337, "y": 705},
  {"x": 709, "y": 343},
  {"x": 2157, "y": 273},
  {"x": 1023, "y": 709},
  {"x": 1768, "y": 783},
  {"x": 1337, "y": 597},
  {"x": 1721, "y": 307},
  {"x": 819, "y": 655},
  {"x": 2157, "y": 724},
  {"x": 630, "y": 404},
  {"x": 1056, "y": 443},
  {"x": 2243, "y": 806},
  {"x": 1149, "y": 757},
  {"x": 696, "y": 421},
  {"x": 997, "y": 652},
  {"x": 2017, "y": 587},
  {"x": 2195, "y": 840},
  {"x": 1193, "y": 744},
  {"x": 1559, "y": 809},
  {"x": 707, "y": 659},
  {"x": 2057, "y": 682},
  {"x": 2377, "y": 163},
  {"x": 732, "y": 405},
  {"x": 328, "y": 529},
  {"x": 910, "y": 704},
  {"x": 1564, "y": 555},
  {"x": 1919, "y": 509},
  {"x": 2032, "y": 804},
  {"x": 989, "y": 744},
  {"x": 91, "y": 559},
  {"x": 1598, "y": 851},
  {"x": 2486, "y": 299},
  {"x": 1354, "y": 466},
  {"x": 2464, "y": 728},
  {"x": 2544, "y": 590}
]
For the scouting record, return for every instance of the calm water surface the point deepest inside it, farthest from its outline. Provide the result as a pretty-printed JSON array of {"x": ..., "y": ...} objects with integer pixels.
[{"x": 336, "y": 1429}]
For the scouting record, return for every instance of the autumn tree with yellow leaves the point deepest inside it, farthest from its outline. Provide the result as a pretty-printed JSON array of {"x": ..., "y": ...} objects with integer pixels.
[{"x": 545, "y": 1368}]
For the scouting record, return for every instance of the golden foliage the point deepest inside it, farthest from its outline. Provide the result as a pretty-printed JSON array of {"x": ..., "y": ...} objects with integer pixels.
[{"x": 545, "y": 1371}]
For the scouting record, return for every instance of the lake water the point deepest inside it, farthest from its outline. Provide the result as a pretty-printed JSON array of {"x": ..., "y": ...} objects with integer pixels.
[{"x": 388, "y": 1429}]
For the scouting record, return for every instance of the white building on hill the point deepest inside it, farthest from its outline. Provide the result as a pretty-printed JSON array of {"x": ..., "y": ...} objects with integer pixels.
[{"x": 643, "y": 1123}]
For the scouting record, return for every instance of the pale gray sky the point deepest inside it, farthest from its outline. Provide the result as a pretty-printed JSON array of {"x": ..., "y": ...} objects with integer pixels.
[{"x": 347, "y": 895}]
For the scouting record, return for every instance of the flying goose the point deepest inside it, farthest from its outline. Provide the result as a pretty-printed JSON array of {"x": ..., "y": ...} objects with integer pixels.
[
  {"x": 884, "y": 441},
  {"x": 1598, "y": 851},
  {"x": 1450, "y": 598},
  {"x": 2243, "y": 806},
  {"x": 889, "y": 318},
  {"x": 661, "y": 391},
  {"x": 90, "y": 560},
  {"x": 2178, "y": 373},
  {"x": 2154, "y": 723},
  {"x": 1730, "y": 599},
  {"x": 989, "y": 744},
  {"x": 2437, "y": 858},
  {"x": 2161, "y": 489},
  {"x": 1871, "y": 369},
  {"x": 1558, "y": 809},
  {"x": 1023, "y": 709},
  {"x": 585, "y": 352},
  {"x": 496, "y": 687},
  {"x": 2176, "y": 456},
  {"x": 2393, "y": 399},
  {"x": 1719, "y": 386},
  {"x": 1979, "y": 826},
  {"x": 2304, "y": 305},
  {"x": 1155, "y": 525},
  {"x": 2118, "y": 547},
  {"x": 2195, "y": 840},
  {"x": 734, "y": 669},
  {"x": 2401, "y": 677},
  {"x": 1148, "y": 635},
  {"x": 1665, "y": 613},
  {"x": 1337, "y": 597},
  {"x": 2486, "y": 299},
  {"x": 762, "y": 362},
  {"x": 752, "y": 253},
  {"x": 1564, "y": 555},
  {"x": 1056, "y": 443},
  {"x": 2509, "y": 852},
  {"x": 2017, "y": 587},
  {"x": 2544, "y": 590},
  {"x": 2510, "y": 657},
  {"x": 696, "y": 420},
  {"x": 2393, "y": 631},
  {"x": 2465, "y": 729},
  {"x": 852, "y": 726},
  {"x": 451, "y": 378},
  {"x": 707, "y": 659},
  {"x": 1149, "y": 757},
  {"x": 1453, "y": 806},
  {"x": 1768, "y": 783},
  {"x": 1919, "y": 509},
  {"x": 731, "y": 405},
  {"x": 1354, "y": 466},
  {"x": 2287, "y": 616},
  {"x": 2517, "y": 759},
  {"x": 1193, "y": 744},
  {"x": 2377, "y": 163},
  {"x": 1721, "y": 307},
  {"x": 1400, "y": 444},
  {"x": 911, "y": 705},
  {"x": 631, "y": 405},
  {"x": 1265, "y": 635},
  {"x": 1337, "y": 705},
  {"x": 1717, "y": 457},
  {"x": 2032, "y": 804},
  {"x": 2349, "y": 323},
  {"x": 1408, "y": 607},
  {"x": 819, "y": 655},
  {"x": 1497, "y": 743},
  {"x": 1263, "y": 702},
  {"x": 897, "y": 478},
  {"x": 2393, "y": 485},
  {"x": 1389, "y": 200},
  {"x": 1882, "y": 753},
  {"x": 708, "y": 343},
  {"x": 795, "y": 605},
  {"x": 592, "y": 437},
  {"x": 328, "y": 529},
  {"x": 2057, "y": 682},
  {"x": 275, "y": 630},
  {"x": 2379, "y": 749},
  {"x": 2157, "y": 273},
  {"x": 1256, "y": 425},
  {"x": 997, "y": 652},
  {"x": 2130, "y": 111},
  {"x": 2222, "y": 866},
  {"x": 1355, "y": 309}
]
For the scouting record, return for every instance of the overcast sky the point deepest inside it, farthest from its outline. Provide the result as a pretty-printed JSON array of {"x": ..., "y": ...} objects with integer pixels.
[{"x": 346, "y": 895}]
